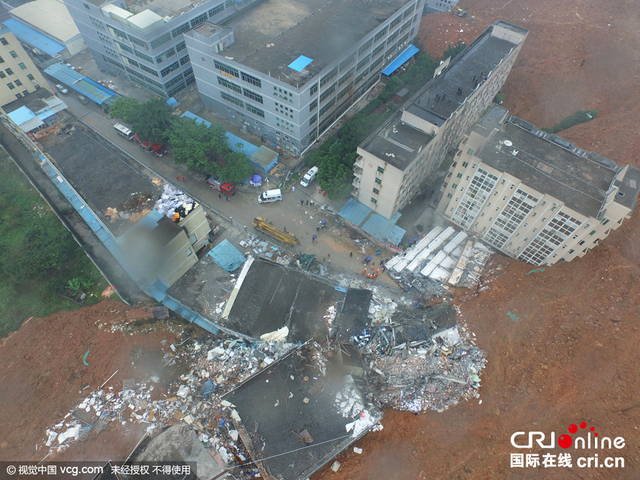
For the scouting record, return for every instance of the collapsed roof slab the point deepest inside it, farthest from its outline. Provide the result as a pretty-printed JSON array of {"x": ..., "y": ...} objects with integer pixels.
[
  {"x": 269, "y": 296},
  {"x": 292, "y": 421}
]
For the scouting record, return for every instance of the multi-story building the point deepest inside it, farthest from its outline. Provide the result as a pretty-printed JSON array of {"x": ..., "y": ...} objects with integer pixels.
[
  {"x": 397, "y": 159},
  {"x": 18, "y": 75},
  {"x": 286, "y": 70},
  {"x": 143, "y": 41},
  {"x": 533, "y": 195}
]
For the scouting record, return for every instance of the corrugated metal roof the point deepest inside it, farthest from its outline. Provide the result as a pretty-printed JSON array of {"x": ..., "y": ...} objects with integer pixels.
[
  {"x": 78, "y": 82},
  {"x": 33, "y": 37},
  {"x": 374, "y": 224},
  {"x": 409, "y": 52}
]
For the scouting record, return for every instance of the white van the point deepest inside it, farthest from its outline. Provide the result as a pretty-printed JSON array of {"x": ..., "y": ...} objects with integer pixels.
[
  {"x": 308, "y": 178},
  {"x": 124, "y": 131},
  {"x": 270, "y": 196}
]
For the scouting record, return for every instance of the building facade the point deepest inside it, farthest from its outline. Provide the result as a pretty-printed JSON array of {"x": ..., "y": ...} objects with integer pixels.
[
  {"x": 288, "y": 78},
  {"x": 144, "y": 43},
  {"x": 532, "y": 195},
  {"x": 395, "y": 162},
  {"x": 18, "y": 75}
]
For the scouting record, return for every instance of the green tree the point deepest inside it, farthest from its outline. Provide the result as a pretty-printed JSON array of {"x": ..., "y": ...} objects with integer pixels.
[
  {"x": 197, "y": 146},
  {"x": 124, "y": 108},
  {"x": 152, "y": 120},
  {"x": 453, "y": 50},
  {"x": 236, "y": 168}
]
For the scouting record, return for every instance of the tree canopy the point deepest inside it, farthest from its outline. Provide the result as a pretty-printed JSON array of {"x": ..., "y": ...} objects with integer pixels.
[
  {"x": 152, "y": 120},
  {"x": 236, "y": 168},
  {"x": 196, "y": 145},
  {"x": 124, "y": 108}
]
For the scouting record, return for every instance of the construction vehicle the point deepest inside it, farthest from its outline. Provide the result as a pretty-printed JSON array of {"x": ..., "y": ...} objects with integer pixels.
[
  {"x": 221, "y": 187},
  {"x": 263, "y": 225},
  {"x": 460, "y": 12}
]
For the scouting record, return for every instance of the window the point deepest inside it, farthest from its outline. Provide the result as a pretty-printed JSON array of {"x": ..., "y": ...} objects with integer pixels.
[
  {"x": 379, "y": 181},
  {"x": 22, "y": 66},
  {"x": 251, "y": 79},
  {"x": 230, "y": 85},
  {"x": 604, "y": 221},
  {"x": 465, "y": 164},
  {"x": 380, "y": 170},
  {"x": 180, "y": 30},
  {"x": 373, "y": 200},
  {"x": 313, "y": 105},
  {"x": 376, "y": 191},
  {"x": 143, "y": 56},
  {"x": 18, "y": 83},
  {"x": 255, "y": 110},
  {"x": 593, "y": 232},
  {"x": 161, "y": 40},
  {"x": 2, "y": 75},
  {"x": 11, "y": 86},
  {"x": 18, "y": 95},
  {"x": 313, "y": 90},
  {"x": 184, "y": 60},
  {"x": 3, "y": 41},
  {"x": 380, "y": 34},
  {"x": 253, "y": 96},
  {"x": 166, "y": 71},
  {"x": 216, "y": 10},
  {"x": 87, "y": 6},
  {"x": 455, "y": 185},
  {"x": 329, "y": 91},
  {"x": 231, "y": 99},
  {"x": 470, "y": 152},
  {"x": 9, "y": 71},
  {"x": 449, "y": 196},
  {"x": 226, "y": 69},
  {"x": 571, "y": 251},
  {"x": 149, "y": 70},
  {"x": 25, "y": 92},
  {"x": 1, "y": 60},
  {"x": 181, "y": 46},
  {"x": 13, "y": 54},
  {"x": 139, "y": 42},
  {"x": 459, "y": 175},
  {"x": 365, "y": 46},
  {"x": 328, "y": 77},
  {"x": 581, "y": 242},
  {"x": 198, "y": 20}
]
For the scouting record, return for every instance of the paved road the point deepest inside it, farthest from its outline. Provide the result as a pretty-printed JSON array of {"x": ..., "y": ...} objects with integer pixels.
[{"x": 301, "y": 220}]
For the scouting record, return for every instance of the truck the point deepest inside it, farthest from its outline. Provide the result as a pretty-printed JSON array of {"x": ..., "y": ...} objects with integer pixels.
[
  {"x": 219, "y": 186},
  {"x": 265, "y": 226},
  {"x": 154, "y": 147}
]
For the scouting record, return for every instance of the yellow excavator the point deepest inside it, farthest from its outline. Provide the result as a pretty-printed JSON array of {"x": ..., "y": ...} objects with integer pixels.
[{"x": 263, "y": 225}]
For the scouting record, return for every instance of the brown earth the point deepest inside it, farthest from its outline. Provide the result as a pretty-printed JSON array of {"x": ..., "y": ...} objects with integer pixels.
[{"x": 571, "y": 356}]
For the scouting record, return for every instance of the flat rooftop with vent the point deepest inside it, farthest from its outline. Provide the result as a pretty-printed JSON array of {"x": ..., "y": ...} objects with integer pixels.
[{"x": 272, "y": 34}]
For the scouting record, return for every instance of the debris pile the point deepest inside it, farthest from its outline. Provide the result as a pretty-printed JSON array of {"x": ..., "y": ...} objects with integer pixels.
[
  {"x": 171, "y": 200},
  {"x": 263, "y": 248},
  {"x": 429, "y": 377}
]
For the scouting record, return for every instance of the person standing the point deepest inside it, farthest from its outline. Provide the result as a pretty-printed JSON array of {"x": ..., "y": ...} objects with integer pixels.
[{"x": 293, "y": 188}]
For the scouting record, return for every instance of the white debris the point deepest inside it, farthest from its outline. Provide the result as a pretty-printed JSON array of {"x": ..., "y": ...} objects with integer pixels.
[
  {"x": 183, "y": 391},
  {"x": 279, "y": 335}
]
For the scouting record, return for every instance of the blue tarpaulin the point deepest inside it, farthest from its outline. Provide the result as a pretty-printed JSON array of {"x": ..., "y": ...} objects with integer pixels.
[
  {"x": 299, "y": 63},
  {"x": 227, "y": 256},
  {"x": 33, "y": 37},
  {"x": 195, "y": 117},
  {"x": 409, "y": 52},
  {"x": 374, "y": 224}
]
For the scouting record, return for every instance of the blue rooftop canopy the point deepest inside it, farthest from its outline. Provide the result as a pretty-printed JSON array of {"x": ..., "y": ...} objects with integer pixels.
[
  {"x": 33, "y": 37},
  {"x": 374, "y": 224},
  {"x": 81, "y": 84},
  {"x": 299, "y": 63},
  {"x": 409, "y": 52}
]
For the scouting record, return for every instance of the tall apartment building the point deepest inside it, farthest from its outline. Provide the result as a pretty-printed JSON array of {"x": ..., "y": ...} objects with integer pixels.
[
  {"x": 532, "y": 195},
  {"x": 143, "y": 42},
  {"x": 396, "y": 160},
  {"x": 286, "y": 70},
  {"x": 18, "y": 75}
]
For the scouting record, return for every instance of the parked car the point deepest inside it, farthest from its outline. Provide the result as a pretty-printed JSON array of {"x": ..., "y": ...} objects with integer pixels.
[{"x": 61, "y": 89}]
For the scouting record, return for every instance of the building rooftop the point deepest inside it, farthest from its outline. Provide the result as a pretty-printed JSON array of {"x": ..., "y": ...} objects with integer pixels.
[
  {"x": 49, "y": 16},
  {"x": 33, "y": 37},
  {"x": 396, "y": 142},
  {"x": 172, "y": 8},
  {"x": 628, "y": 186},
  {"x": 442, "y": 96},
  {"x": 551, "y": 165},
  {"x": 272, "y": 34}
]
